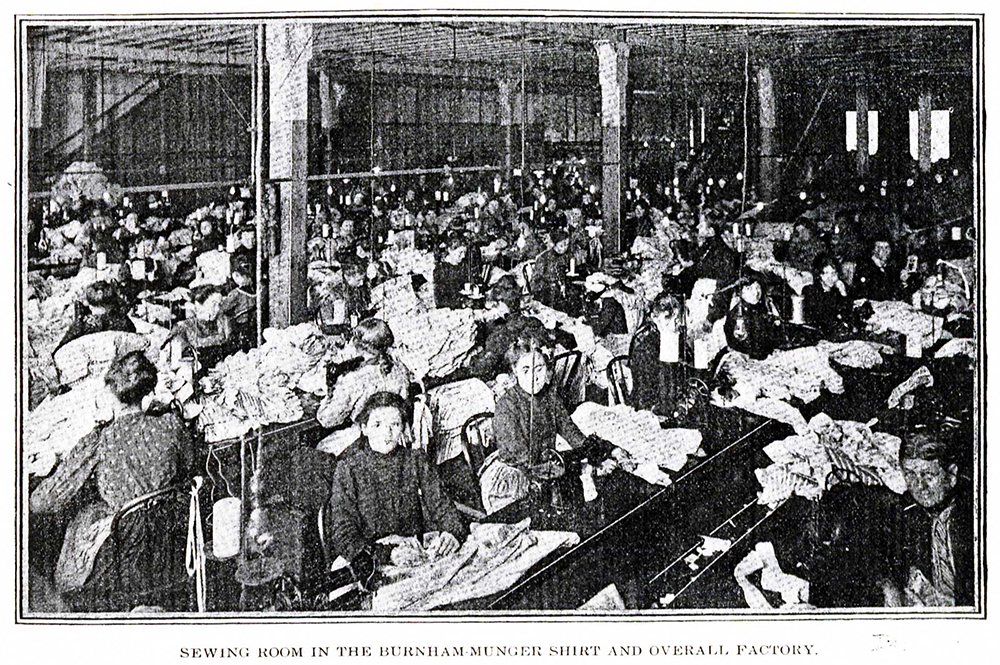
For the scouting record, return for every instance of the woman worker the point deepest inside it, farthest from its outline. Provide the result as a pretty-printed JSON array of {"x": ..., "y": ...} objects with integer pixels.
[
  {"x": 528, "y": 417},
  {"x": 383, "y": 488},
  {"x": 371, "y": 371},
  {"x": 134, "y": 455},
  {"x": 103, "y": 311},
  {"x": 826, "y": 302}
]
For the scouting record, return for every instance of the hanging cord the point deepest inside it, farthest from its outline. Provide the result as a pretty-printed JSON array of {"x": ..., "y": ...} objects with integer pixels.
[
  {"x": 746, "y": 131},
  {"x": 195, "y": 550}
]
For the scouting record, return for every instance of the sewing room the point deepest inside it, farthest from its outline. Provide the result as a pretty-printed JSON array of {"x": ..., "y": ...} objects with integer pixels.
[{"x": 471, "y": 315}]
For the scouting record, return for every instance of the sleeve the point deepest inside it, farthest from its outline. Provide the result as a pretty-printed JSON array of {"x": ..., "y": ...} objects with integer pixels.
[
  {"x": 565, "y": 425},
  {"x": 57, "y": 491},
  {"x": 439, "y": 510},
  {"x": 75, "y": 330},
  {"x": 510, "y": 435},
  {"x": 335, "y": 409},
  {"x": 344, "y": 520},
  {"x": 184, "y": 444}
]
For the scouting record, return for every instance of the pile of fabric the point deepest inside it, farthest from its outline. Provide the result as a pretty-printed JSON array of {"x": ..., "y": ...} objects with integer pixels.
[
  {"x": 48, "y": 316},
  {"x": 452, "y": 405},
  {"x": 249, "y": 390},
  {"x": 409, "y": 261},
  {"x": 954, "y": 287},
  {"x": 760, "y": 257},
  {"x": 902, "y": 318},
  {"x": 492, "y": 559},
  {"x": 855, "y": 353},
  {"x": 802, "y": 463},
  {"x": 796, "y": 373},
  {"x": 83, "y": 180},
  {"x": 640, "y": 435}
]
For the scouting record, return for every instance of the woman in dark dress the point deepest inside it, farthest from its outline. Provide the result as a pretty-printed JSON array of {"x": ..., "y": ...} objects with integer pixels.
[
  {"x": 103, "y": 311},
  {"x": 657, "y": 375},
  {"x": 826, "y": 302},
  {"x": 382, "y": 488}
]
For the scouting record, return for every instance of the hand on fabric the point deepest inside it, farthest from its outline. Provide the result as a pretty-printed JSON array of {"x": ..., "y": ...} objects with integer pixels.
[
  {"x": 446, "y": 544},
  {"x": 840, "y": 287}
]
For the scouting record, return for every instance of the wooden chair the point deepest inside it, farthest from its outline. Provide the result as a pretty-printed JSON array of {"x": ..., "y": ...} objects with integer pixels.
[
  {"x": 478, "y": 439},
  {"x": 619, "y": 374},
  {"x": 142, "y": 562},
  {"x": 568, "y": 376}
]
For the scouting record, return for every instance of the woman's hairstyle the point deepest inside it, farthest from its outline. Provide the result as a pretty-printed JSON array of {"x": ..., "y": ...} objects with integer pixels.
[
  {"x": 131, "y": 377},
  {"x": 824, "y": 260},
  {"x": 200, "y": 294},
  {"x": 665, "y": 303},
  {"x": 928, "y": 443},
  {"x": 506, "y": 290},
  {"x": 373, "y": 335},
  {"x": 525, "y": 344},
  {"x": 381, "y": 400},
  {"x": 103, "y": 294}
]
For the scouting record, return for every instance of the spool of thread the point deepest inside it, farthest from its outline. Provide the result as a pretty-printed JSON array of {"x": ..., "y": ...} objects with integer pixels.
[
  {"x": 226, "y": 528},
  {"x": 914, "y": 347},
  {"x": 326, "y": 230},
  {"x": 125, "y": 202},
  {"x": 437, "y": 195},
  {"x": 138, "y": 268},
  {"x": 736, "y": 228},
  {"x": 670, "y": 345},
  {"x": 748, "y": 227},
  {"x": 496, "y": 185},
  {"x": 231, "y": 243},
  {"x": 798, "y": 309},
  {"x": 475, "y": 212},
  {"x": 339, "y": 312},
  {"x": 572, "y": 265},
  {"x": 102, "y": 260},
  {"x": 701, "y": 358},
  {"x": 956, "y": 233},
  {"x": 467, "y": 288},
  {"x": 354, "y": 320},
  {"x": 444, "y": 196},
  {"x": 587, "y": 481}
]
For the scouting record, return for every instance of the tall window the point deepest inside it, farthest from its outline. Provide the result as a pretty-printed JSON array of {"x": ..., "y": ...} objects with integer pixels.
[
  {"x": 852, "y": 131},
  {"x": 940, "y": 135}
]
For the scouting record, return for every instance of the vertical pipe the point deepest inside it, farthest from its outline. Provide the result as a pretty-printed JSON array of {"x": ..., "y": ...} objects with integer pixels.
[
  {"x": 861, "y": 104},
  {"x": 924, "y": 129},
  {"x": 258, "y": 174}
]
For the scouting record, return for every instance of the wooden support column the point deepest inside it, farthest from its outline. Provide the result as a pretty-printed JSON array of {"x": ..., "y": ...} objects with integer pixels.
[
  {"x": 924, "y": 129},
  {"x": 612, "y": 70},
  {"x": 506, "y": 122},
  {"x": 768, "y": 144},
  {"x": 289, "y": 49},
  {"x": 861, "y": 106}
]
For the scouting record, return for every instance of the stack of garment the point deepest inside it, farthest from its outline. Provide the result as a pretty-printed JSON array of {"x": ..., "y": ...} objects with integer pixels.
[
  {"x": 55, "y": 427},
  {"x": 902, "y": 318},
  {"x": 953, "y": 287},
  {"x": 409, "y": 261},
  {"x": 492, "y": 559},
  {"x": 855, "y": 353},
  {"x": 451, "y": 406},
  {"x": 640, "y": 435},
  {"x": 249, "y": 390},
  {"x": 803, "y": 462},
  {"x": 765, "y": 387},
  {"x": 49, "y": 316}
]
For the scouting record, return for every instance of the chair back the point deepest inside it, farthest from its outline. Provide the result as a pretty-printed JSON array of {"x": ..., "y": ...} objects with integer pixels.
[
  {"x": 568, "y": 376},
  {"x": 619, "y": 373},
  {"x": 478, "y": 439},
  {"x": 142, "y": 562}
]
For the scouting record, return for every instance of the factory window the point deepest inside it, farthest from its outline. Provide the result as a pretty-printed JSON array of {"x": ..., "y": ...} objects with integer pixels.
[
  {"x": 940, "y": 135},
  {"x": 852, "y": 131}
]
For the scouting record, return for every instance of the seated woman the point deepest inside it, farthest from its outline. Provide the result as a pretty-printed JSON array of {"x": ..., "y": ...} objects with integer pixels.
[
  {"x": 548, "y": 281},
  {"x": 527, "y": 419},
  {"x": 657, "y": 375},
  {"x": 207, "y": 334},
  {"x": 457, "y": 266},
  {"x": 752, "y": 327},
  {"x": 103, "y": 311},
  {"x": 240, "y": 304},
  {"x": 371, "y": 371},
  {"x": 826, "y": 302},
  {"x": 134, "y": 455},
  {"x": 383, "y": 488}
]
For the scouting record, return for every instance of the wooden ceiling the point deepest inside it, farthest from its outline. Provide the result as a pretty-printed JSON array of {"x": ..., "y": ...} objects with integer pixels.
[{"x": 544, "y": 45}]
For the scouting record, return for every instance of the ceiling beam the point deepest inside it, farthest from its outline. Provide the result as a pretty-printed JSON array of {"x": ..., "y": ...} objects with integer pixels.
[{"x": 133, "y": 54}]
